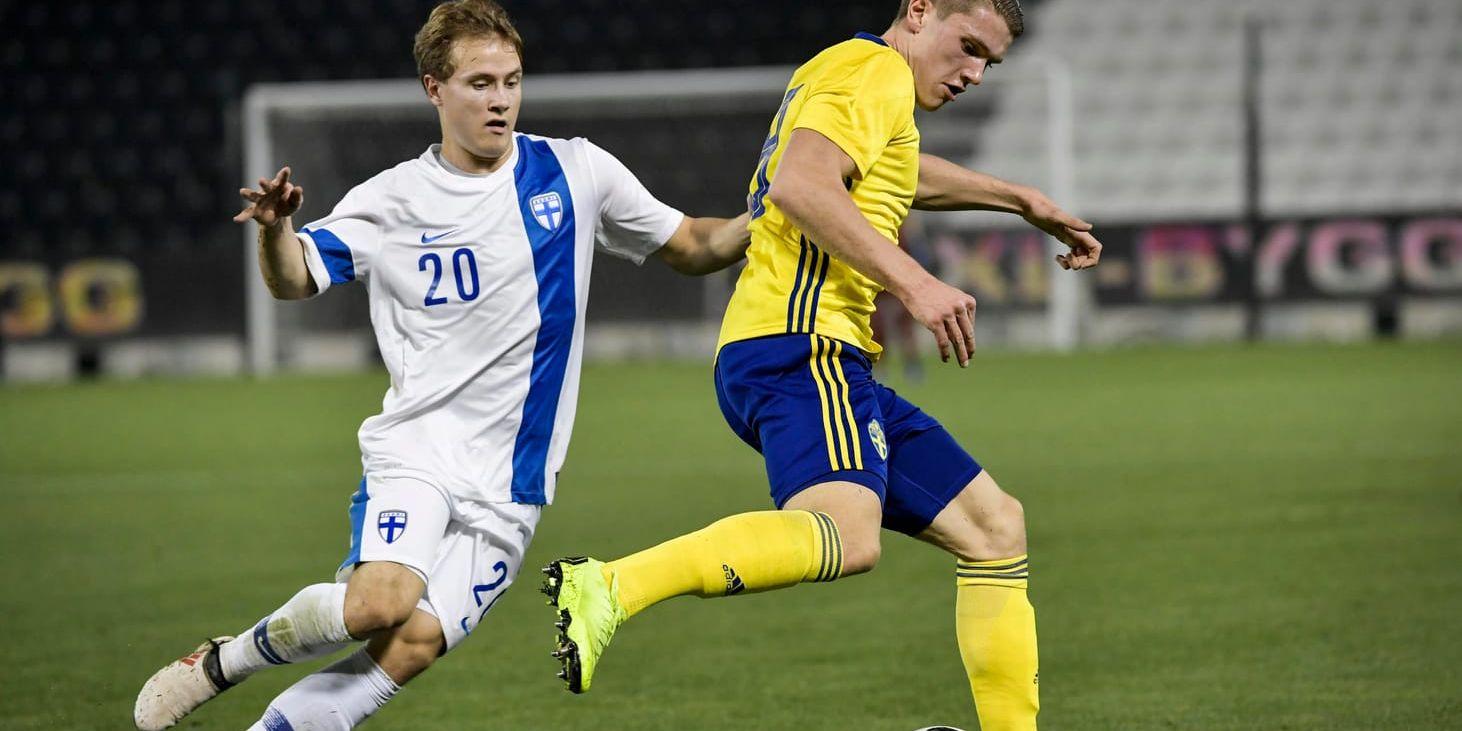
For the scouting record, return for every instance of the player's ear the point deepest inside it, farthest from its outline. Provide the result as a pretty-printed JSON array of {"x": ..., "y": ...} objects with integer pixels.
[
  {"x": 433, "y": 89},
  {"x": 918, "y": 9}
]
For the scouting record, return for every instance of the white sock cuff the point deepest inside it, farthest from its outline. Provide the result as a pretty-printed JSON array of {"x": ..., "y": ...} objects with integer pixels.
[
  {"x": 335, "y": 698},
  {"x": 317, "y": 615},
  {"x": 335, "y": 611},
  {"x": 311, "y": 624},
  {"x": 362, "y": 663}
]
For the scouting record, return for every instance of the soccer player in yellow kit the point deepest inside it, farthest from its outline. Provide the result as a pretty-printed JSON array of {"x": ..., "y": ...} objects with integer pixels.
[{"x": 845, "y": 455}]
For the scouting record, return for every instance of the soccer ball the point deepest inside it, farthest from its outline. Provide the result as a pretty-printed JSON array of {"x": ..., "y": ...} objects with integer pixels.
[{"x": 937, "y": 728}]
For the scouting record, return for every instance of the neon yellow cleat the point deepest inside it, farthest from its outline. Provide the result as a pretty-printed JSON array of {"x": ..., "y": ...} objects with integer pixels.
[{"x": 588, "y": 614}]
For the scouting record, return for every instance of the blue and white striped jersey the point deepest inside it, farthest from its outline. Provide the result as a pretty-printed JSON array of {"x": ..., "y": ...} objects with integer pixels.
[{"x": 477, "y": 287}]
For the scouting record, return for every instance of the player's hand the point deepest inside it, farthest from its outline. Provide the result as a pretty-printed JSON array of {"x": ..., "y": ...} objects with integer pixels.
[
  {"x": 1085, "y": 252},
  {"x": 274, "y": 200},
  {"x": 948, "y": 313}
]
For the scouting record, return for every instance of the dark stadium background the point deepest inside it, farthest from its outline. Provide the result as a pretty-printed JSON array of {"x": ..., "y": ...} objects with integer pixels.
[
  {"x": 1227, "y": 534},
  {"x": 120, "y": 130}
]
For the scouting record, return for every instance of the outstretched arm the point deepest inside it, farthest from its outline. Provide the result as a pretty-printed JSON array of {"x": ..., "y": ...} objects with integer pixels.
[
  {"x": 281, "y": 253},
  {"x": 705, "y": 245},
  {"x": 809, "y": 189},
  {"x": 945, "y": 186}
]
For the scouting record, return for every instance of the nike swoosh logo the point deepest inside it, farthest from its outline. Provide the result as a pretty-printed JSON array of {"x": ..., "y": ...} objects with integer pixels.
[{"x": 428, "y": 239}]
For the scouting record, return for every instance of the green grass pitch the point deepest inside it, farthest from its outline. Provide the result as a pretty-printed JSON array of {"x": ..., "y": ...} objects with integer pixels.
[{"x": 1222, "y": 538}]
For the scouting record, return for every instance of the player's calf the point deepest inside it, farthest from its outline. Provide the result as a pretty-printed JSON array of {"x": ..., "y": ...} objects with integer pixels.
[{"x": 408, "y": 650}]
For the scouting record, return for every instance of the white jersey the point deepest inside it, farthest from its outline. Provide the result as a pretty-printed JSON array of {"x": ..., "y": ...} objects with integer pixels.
[{"x": 477, "y": 288}]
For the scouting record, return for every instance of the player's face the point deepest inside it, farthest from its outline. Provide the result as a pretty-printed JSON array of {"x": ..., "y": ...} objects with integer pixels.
[
  {"x": 952, "y": 53},
  {"x": 479, "y": 103}
]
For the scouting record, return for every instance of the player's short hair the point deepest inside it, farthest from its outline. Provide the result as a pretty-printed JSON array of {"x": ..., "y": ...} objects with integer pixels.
[
  {"x": 456, "y": 20},
  {"x": 1007, "y": 9}
]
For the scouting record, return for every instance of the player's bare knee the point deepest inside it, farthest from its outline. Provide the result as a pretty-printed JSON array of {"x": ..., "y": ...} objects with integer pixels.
[
  {"x": 380, "y": 597},
  {"x": 859, "y": 539},
  {"x": 860, "y": 556},
  {"x": 992, "y": 529},
  {"x": 1005, "y": 529},
  {"x": 856, "y": 513},
  {"x": 365, "y": 614},
  {"x": 980, "y": 525}
]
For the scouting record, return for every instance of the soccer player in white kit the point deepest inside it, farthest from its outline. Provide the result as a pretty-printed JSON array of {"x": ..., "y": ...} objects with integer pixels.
[{"x": 476, "y": 256}]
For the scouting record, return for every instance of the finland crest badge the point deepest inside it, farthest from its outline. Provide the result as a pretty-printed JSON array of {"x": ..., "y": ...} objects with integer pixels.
[
  {"x": 547, "y": 210},
  {"x": 391, "y": 524}
]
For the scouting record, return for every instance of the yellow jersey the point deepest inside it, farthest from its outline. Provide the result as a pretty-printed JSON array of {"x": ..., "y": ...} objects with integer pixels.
[{"x": 860, "y": 95}]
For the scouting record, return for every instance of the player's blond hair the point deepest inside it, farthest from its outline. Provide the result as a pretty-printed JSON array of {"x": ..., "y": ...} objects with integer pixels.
[
  {"x": 457, "y": 20},
  {"x": 1007, "y": 9}
]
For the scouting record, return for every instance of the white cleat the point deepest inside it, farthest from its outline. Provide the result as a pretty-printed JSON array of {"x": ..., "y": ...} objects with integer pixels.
[{"x": 180, "y": 687}]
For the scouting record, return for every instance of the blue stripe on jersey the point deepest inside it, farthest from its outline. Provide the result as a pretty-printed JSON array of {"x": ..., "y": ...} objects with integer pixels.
[
  {"x": 538, "y": 173},
  {"x": 335, "y": 253},
  {"x": 870, "y": 37},
  {"x": 357, "y": 524}
]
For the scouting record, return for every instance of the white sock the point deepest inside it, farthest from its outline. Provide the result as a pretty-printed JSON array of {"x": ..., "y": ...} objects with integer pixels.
[
  {"x": 309, "y": 625},
  {"x": 336, "y": 698}
]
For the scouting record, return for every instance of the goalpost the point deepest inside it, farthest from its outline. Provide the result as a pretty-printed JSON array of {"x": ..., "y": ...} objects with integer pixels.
[{"x": 692, "y": 136}]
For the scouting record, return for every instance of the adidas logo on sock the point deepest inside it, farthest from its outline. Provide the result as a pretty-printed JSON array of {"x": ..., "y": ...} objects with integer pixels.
[{"x": 734, "y": 585}]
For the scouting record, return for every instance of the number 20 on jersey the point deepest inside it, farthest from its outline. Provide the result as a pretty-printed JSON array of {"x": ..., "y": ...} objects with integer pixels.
[{"x": 464, "y": 270}]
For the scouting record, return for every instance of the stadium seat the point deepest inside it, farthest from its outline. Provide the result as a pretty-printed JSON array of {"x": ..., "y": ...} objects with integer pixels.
[{"x": 1358, "y": 96}]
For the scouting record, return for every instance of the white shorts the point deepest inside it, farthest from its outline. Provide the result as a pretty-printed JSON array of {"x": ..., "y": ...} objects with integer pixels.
[{"x": 467, "y": 552}]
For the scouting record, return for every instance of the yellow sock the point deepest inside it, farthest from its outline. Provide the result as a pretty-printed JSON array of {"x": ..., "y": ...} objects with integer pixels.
[
  {"x": 743, "y": 553},
  {"x": 996, "y": 627}
]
